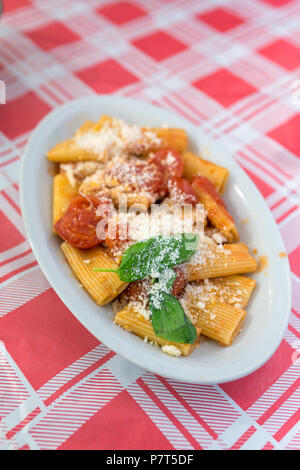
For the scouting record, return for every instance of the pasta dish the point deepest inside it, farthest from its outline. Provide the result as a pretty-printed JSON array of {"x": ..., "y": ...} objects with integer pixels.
[{"x": 144, "y": 227}]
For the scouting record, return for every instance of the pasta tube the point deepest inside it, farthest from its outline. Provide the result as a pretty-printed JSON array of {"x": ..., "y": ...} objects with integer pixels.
[
  {"x": 216, "y": 211},
  {"x": 87, "y": 145},
  {"x": 235, "y": 290},
  {"x": 102, "y": 287},
  {"x": 63, "y": 192},
  {"x": 221, "y": 322},
  {"x": 135, "y": 322},
  {"x": 220, "y": 260},
  {"x": 174, "y": 138},
  {"x": 195, "y": 166}
]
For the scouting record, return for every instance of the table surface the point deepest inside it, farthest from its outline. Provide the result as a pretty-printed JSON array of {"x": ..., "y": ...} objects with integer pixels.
[{"x": 230, "y": 67}]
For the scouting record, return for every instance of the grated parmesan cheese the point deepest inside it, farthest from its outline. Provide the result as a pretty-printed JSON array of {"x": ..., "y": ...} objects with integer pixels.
[
  {"x": 117, "y": 138},
  {"x": 219, "y": 238},
  {"x": 171, "y": 350},
  {"x": 205, "y": 254},
  {"x": 138, "y": 224},
  {"x": 170, "y": 159},
  {"x": 160, "y": 287},
  {"x": 77, "y": 172},
  {"x": 140, "y": 307},
  {"x": 202, "y": 295}
]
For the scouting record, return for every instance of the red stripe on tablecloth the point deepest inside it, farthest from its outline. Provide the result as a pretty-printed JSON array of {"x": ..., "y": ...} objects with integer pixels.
[
  {"x": 278, "y": 203},
  {"x": 279, "y": 402},
  {"x": 23, "y": 423},
  {"x": 12, "y": 203},
  {"x": 79, "y": 377},
  {"x": 269, "y": 161},
  {"x": 244, "y": 438},
  {"x": 296, "y": 313},
  {"x": 8, "y": 162},
  {"x": 261, "y": 167},
  {"x": 51, "y": 94},
  {"x": 259, "y": 110},
  {"x": 287, "y": 426},
  {"x": 17, "y": 271},
  {"x": 20, "y": 255},
  {"x": 61, "y": 89},
  {"x": 268, "y": 446},
  {"x": 188, "y": 408},
  {"x": 170, "y": 415},
  {"x": 293, "y": 330},
  {"x": 284, "y": 216}
]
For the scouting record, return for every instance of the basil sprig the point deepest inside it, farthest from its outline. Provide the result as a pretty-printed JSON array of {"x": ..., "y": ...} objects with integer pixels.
[
  {"x": 145, "y": 258},
  {"x": 169, "y": 320}
]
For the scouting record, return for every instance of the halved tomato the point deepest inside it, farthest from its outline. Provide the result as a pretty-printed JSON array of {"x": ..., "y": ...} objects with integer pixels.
[
  {"x": 79, "y": 224},
  {"x": 181, "y": 192},
  {"x": 138, "y": 291},
  {"x": 170, "y": 161}
]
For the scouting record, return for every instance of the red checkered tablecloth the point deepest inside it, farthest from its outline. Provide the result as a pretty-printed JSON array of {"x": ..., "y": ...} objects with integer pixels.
[{"x": 230, "y": 67}]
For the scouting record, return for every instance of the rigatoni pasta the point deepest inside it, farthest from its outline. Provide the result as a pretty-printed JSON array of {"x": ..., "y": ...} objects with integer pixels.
[
  {"x": 194, "y": 165},
  {"x": 217, "y": 305},
  {"x": 102, "y": 287},
  {"x": 174, "y": 138},
  {"x": 220, "y": 260},
  {"x": 217, "y": 213},
  {"x": 221, "y": 323},
  {"x": 131, "y": 320},
  {"x": 85, "y": 146},
  {"x": 63, "y": 192}
]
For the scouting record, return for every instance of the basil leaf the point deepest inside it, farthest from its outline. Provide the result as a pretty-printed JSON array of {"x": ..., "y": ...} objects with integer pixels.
[
  {"x": 169, "y": 320},
  {"x": 170, "y": 282},
  {"x": 145, "y": 258}
]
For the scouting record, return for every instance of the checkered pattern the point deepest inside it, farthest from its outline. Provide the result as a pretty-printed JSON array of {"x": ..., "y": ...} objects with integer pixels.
[{"x": 230, "y": 67}]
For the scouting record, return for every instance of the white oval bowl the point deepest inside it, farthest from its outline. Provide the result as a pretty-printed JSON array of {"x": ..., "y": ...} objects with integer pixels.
[{"x": 269, "y": 307}]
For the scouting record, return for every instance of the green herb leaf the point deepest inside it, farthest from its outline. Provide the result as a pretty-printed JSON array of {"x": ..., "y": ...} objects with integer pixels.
[
  {"x": 169, "y": 320},
  {"x": 144, "y": 259},
  {"x": 170, "y": 282},
  {"x": 164, "y": 281}
]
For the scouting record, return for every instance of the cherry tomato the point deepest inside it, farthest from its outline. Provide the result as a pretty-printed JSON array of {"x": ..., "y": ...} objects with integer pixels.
[
  {"x": 181, "y": 192},
  {"x": 138, "y": 175},
  {"x": 137, "y": 290},
  {"x": 80, "y": 202},
  {"x": 170, "y": 161},
  {"x": 180, "y": 281},
  {"x": 78, "y": 225}
]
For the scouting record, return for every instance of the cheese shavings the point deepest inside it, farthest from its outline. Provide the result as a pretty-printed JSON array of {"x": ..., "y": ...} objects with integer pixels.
[
  {"x": 117, "y": 138},
  {"x": 140, "y": 307},
  {"x": 162, "y": 285},
  {"x": 203, "y": 295},
  {"x": 171, "y": 350},
  {"x": 77, "y": 172},
  {"x": 205, "y": 254},
  {"x": 162, "y": 221}
]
